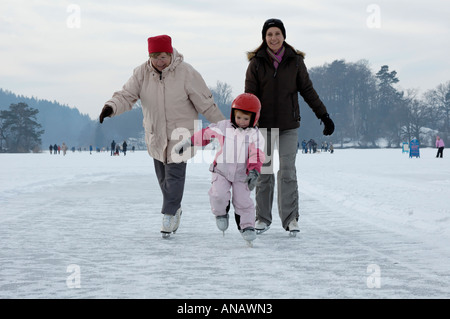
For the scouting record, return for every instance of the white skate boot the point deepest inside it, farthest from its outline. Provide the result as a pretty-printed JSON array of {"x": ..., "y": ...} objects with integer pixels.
[
  {"x": 170, "y": 223},
  {"x": 261, "y": 227},
  {"x": 222, "y": 222},
  {"x": 249, "y": 235},
  {"x": 293, "y": 228}
]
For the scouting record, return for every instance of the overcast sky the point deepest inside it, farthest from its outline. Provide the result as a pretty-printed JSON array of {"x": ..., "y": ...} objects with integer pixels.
[{"x": 79, "y": 52}]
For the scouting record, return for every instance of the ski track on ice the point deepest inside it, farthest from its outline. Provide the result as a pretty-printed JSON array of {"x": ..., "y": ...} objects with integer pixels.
[{"x": 109, "y": 225}]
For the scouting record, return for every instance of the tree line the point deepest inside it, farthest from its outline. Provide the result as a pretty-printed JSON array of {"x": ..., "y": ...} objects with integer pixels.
[
  {"x": 370, "y": 111},
  {"x": 367, "y": 108}
]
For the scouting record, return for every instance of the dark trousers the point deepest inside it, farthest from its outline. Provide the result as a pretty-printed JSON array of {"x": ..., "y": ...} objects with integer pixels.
[
  {"x": 440, "y": 152},
  {"x": 171, "y": 178}
]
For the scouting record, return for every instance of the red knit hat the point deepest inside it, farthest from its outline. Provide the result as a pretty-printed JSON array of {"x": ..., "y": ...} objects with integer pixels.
[{"x": 160, "y": 43}]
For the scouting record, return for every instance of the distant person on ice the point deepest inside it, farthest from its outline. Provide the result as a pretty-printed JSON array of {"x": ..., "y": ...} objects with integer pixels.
[
  {"x": 113, "y": 147},
  {"x": 124, "y": 148},
  {"x": 64, "y": 148},
  {"x": 172, "y": 94},
  {"x": 440, "y": 146},
  {"x": 237, "y": 163}
]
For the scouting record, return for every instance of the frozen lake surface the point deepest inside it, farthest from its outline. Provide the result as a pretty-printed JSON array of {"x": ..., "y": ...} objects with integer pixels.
[{"x": 374, "y": 224}]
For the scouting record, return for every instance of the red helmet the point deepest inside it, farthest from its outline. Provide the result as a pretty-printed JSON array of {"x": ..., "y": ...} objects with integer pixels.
[{"x": 249, "y": 103}]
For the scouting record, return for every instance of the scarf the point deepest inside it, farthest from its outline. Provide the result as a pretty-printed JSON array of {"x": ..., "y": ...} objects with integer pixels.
[{"x": 276, "y": 57}]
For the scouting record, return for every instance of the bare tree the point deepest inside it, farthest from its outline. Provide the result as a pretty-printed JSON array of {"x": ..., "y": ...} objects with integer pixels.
[
  {"x": 417, "y": 119},
  {"x": 439, "y": 100},
  {"x": 222, "y": 94}
]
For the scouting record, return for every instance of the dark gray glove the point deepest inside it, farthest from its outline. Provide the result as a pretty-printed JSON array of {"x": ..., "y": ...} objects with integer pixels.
[
  {"x": 181, "y": 147},
  {"x": 328, "y": 123},
  {"x": 252, "y": 178},
  {"x": 106, "y": 112}
]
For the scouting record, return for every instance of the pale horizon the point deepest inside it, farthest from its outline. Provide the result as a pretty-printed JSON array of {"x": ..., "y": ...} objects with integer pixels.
[{"x": 78, "y": 54}]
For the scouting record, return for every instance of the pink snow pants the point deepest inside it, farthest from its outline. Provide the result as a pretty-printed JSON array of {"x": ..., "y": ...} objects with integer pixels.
[{"x": 219, "y": 195}]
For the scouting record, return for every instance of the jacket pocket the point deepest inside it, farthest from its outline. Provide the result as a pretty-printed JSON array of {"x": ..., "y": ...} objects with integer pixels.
[
  {"x": 148, "y": 127},
  {"x": 295, "y": 107},
  {"x": 214, "y": 177},
  {"x": 148, "y": 134}
]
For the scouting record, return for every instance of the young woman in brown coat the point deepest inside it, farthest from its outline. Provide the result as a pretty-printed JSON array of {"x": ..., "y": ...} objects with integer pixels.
[{"x": 276, "y": 74}]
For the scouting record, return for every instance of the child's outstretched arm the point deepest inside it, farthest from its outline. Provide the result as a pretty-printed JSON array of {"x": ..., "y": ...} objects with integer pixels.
[{"x": 204, "y": 137}]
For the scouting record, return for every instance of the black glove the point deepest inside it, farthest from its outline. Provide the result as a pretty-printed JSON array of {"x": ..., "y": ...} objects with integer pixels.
[
  {"x": 328, "y": 123},
  {"x": 251, "y": 179},
  {"x": 106, "y": 112},
  {"x": 182, "y": 146}
]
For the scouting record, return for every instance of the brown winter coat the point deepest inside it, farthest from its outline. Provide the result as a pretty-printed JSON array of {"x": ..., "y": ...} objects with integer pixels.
[
  {"x": 278, "y": 89},
  {"x": 170, "y": 100}
]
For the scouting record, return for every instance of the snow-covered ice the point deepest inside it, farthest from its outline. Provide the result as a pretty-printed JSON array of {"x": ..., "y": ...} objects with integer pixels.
[{"x": 374, "y": 224}]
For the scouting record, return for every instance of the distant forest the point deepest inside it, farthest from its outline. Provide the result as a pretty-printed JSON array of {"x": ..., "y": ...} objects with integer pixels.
[
  {"x": 367, "y": 108},
  {"x": 369, "y": 111}
]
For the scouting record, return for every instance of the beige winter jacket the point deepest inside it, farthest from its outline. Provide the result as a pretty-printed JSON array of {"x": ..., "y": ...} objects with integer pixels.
[{"x": 170, "y": 100}]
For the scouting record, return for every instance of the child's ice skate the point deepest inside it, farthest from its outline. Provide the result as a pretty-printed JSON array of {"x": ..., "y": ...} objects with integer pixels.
[
  {"x": 170, "y": 224},
  {"x": 249, "y": 235},
  {"x": 222, "y": 222}
]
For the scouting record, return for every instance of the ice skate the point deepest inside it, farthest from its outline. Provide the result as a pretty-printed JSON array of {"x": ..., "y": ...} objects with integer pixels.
[
  {"x": 249, "y": 235},
  {"x": 177, "y": 220},
  {"x": 222, "y": 222},
  {"x": 261, "y": 227},
  {"x": 293, "y": 228},
  {"x": 170, "y": 224}
]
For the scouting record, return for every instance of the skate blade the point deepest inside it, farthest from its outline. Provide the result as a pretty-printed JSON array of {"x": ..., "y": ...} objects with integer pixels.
[
  {"x": 260, "y": 231},
  {"x": 293, "y": 233},
  {"x": 165, "y": 235},
  {"x": 249, "y": 243}
]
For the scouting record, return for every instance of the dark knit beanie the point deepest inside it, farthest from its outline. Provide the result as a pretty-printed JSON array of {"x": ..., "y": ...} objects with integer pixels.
[{"x": 273, "y": 23}]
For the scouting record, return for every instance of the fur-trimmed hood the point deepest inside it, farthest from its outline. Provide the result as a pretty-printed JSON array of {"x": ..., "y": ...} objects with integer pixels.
[
  {"x": 278, "y": 88},
  {"x": 252, "y": 54}
]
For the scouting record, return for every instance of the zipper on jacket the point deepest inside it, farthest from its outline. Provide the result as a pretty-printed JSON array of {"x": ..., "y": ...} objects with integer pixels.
[{"x": 160, "y": 75}]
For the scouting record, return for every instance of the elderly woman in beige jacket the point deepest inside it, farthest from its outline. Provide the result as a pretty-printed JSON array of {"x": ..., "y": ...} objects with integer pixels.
[{"x": 172, "y": 95}]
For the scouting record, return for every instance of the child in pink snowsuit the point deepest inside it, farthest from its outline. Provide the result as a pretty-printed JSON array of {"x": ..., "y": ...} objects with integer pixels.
[{"x": 237, "y": 163}]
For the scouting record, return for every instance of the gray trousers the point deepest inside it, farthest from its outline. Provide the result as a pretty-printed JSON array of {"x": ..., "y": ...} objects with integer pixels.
[
  {"x": 287, "y": 188},
  {"x": 171, "y": 178}
]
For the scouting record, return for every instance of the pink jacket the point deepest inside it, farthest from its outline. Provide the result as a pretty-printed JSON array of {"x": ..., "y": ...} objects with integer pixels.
[
  {"x": 439, "y": 143},
  {"x": 241, "y": 150}
]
